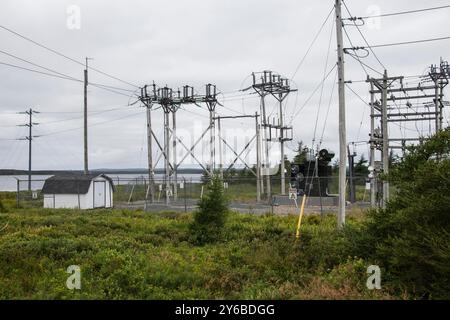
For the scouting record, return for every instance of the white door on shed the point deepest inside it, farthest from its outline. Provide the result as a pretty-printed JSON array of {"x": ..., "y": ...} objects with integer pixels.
[{"x": 99, "y": 194}]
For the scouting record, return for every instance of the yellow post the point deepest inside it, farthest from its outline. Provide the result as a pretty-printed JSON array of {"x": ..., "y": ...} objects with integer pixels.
[{"x": 302, "y": 208}]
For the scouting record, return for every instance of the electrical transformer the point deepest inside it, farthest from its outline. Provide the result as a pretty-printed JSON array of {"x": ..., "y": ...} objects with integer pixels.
[{"x": 311, "y": 177}]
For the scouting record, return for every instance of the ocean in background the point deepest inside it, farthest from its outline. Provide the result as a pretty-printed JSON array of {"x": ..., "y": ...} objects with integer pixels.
[{"x": 9, "y": 182}]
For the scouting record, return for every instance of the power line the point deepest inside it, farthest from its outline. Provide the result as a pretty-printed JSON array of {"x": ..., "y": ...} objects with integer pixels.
[
  {"x": 364, "y": 38},
  {"x": 37, "y": 65},
  {"x": 65, "y": 56},
  {"x": 113, "y": 91},
  {"x": 121, "y": 107},
  {"x": 312, "y": 94},
  {"x": 322, "y": 87},
  {"x": 367, "y": 104},
  {"x": 363, "y": 64},
  {"x": 397, "y": 13},
  {"x": 40, "y": 72},
  {"x": 364, "y": 111},
  {"x": 400, "y": 43},
  {"x": 91, "y": 125},
  {"x": 59, "y": 75},
  {"x": 312, "y": 43},
  {"x": 328, "y": 109},
  {"x": 80, "y": 117}
]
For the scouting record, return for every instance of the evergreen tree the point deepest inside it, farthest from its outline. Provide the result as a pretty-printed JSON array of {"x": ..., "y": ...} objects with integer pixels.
[
  {"x": 361, "y": 170},
  {"x": 302, "y": 151},
  {"x": 211, "y": 215}
]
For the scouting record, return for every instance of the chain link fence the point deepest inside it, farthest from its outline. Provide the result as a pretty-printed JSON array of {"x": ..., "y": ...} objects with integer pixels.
[{"x": 136, "y": 192}]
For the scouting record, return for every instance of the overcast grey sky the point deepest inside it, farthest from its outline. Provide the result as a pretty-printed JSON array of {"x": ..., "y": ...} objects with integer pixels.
[{"x": 189, "y": 42}]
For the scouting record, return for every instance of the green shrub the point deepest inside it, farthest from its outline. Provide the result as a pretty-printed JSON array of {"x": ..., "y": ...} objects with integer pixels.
[
  {"x": 210, "y": 218},
  {"x": 411, "y": 237}
]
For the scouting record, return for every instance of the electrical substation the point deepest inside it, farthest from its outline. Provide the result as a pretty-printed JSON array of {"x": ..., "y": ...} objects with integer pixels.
[{"x": 394, "y": 100}]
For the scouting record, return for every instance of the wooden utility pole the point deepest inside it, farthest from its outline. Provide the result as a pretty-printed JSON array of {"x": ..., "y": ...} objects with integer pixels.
[
  {"x": 166, "y": 153},
  {"x": 342, "y": 129},
  {"x": 373, "y": 179},
  {"x": 174, "y": 153},
  {"x": 351, "y": 176},
  {"x": 266, "y": 144},
  {"x": 282, "y": 166},
  {"x": 384, "y": 125},
  {"x": 30, "y": 137},
  {"x": 86, "y": 167},
  {"x": 258, "y": 160},
  {"x": 220, "y": 148},
  {"x": 150, "y": 154},
  {"x": 383, "y": 85}
]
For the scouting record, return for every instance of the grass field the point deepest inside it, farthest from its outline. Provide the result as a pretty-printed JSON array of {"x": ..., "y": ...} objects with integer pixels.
[{"x": 137, "y": 255}]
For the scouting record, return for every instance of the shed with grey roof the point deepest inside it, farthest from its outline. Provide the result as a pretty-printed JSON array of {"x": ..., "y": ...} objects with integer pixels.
[{"x": 78, "y": 191}]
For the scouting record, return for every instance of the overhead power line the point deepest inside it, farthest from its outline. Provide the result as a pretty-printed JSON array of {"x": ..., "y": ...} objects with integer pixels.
[
  {"x": 91, "y": 125},
  {"x": 62, "y": 74},
  {"x": 39, "y": 66},
  {"x": 65, "y": 56},
  {"x": 364, "y": 38},
  {"x": 399, "y": 43},
  {"x": 312, "y": 43},
  {"x": 40, "y": 72},
  {"x": 397, "y": 13},
  {"x": 312, "y": 95},
  {"x": 59, "y": 75}
]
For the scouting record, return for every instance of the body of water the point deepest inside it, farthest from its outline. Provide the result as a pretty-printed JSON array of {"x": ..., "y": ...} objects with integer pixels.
[{"x": 9, "y": 182}]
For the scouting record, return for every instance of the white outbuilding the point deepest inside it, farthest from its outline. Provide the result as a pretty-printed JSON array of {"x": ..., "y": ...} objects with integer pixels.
[{"x": 78, "y": 191}]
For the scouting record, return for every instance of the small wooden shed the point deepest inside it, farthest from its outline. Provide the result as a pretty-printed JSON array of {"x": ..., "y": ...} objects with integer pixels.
[{"x": 78, "y": 191}]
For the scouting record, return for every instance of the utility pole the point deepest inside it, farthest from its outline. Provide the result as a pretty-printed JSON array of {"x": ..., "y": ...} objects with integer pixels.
[
  {"x": 381, "y": 139},
  {"x": 86, "y": 167},
  {"x": 148, "y": 102},
  {"x": 373, "y": 181},
  {"x": 212, "y": 143},
  {"x": 392, "y": 89},
  {"x": 440, "y": 76},
  {"x": 30, "y": 137},
  {"x": 384, "y": 122},
  {"x": 273, "y": 84},
  {"x": 167, "y": 155},
  {"x": 282, "y": 169},
  {"x": 342, "y": 129},
  {"x": 211, "y": 101},
  {"x": 220, "y": 148},
  {"x": 174, "y": 152},
  {"x": 351, "y": 164},
  {"x": 166, "y": 99},
  {"x": 150, "y": 154},
  {"x": 258, "y": 161},
  {"x": 266, "y": 144}
]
